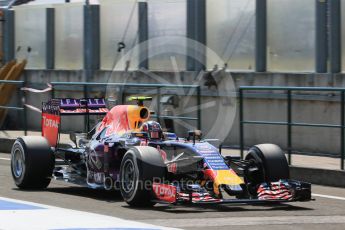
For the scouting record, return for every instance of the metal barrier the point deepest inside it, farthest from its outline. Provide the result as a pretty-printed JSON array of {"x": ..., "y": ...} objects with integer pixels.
[
  {"x": 288, "y": 121},
  {"x": 158, "y": 87},
  {"x": 22, "y": 109}
]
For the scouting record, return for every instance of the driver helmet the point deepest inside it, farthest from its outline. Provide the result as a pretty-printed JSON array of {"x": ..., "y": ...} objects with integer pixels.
[{"x": 153, "y": 129}]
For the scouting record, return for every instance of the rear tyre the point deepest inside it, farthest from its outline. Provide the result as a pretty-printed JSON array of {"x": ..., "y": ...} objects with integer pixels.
[
  {"x": 32, "y": 162},
  {"x": 271, "y": 165},
  {"x": 140, "y": 167}
]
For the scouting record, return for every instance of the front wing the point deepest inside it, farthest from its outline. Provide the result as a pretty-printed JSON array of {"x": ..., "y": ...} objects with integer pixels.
[{"x": 274, "y": 192}]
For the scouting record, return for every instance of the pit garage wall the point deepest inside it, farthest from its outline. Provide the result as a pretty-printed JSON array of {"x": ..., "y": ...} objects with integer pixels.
[{"x": 324, "y": 108}]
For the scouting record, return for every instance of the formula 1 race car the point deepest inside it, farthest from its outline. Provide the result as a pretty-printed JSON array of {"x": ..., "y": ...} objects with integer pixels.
[{"x": 129, "y": 152}]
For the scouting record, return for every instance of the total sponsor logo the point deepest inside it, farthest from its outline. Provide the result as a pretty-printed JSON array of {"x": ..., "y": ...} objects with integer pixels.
[
  {"x": 49, "y": 122},
  {"x": 165, "y": 192}
]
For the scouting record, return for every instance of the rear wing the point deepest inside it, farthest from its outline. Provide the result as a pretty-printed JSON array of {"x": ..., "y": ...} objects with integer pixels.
[
  {"x": 55, "y": 108},
  {"x": 95, "y": 106}
]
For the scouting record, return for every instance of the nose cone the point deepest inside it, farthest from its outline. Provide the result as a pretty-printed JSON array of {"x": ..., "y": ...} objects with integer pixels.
[{"x": 225, "y": 177}]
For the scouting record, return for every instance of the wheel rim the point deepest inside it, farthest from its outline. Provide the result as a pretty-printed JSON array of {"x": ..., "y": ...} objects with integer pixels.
[
  {"x": 254, "y": 180},
  {"x": 17, "y": 163},
  {"x": 128, "y": 176}
]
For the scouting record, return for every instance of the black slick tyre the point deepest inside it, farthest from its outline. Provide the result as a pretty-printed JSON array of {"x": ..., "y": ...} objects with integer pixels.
[
  {"x": 140, "y": 167},
  {"x": 32, "y": 162},
  {"x": 271, "y": 164}
]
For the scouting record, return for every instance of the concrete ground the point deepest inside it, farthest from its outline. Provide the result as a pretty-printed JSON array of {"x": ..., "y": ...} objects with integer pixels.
[{"x": 326, "y": 212}]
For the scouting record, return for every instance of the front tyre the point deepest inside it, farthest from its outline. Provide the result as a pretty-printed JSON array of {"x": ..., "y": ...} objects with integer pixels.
[
  {"x": 32, "y": 162},
  {"x": 140, "y": 167},
  {"x": 270, "y": 165}
]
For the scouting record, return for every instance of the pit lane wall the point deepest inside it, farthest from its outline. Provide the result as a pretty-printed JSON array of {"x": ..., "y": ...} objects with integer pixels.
[{"x": 307, "y": 107}]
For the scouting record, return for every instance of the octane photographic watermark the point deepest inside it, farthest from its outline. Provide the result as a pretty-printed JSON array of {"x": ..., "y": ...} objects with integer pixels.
[
  {"x": 218, "y": 93},
  {"x": 148, "y": 184},
  {"x": 217, "y": 103}
]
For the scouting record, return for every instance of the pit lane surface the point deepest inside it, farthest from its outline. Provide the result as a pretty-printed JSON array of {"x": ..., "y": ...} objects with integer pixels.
[{"x": 327, "y": 211}]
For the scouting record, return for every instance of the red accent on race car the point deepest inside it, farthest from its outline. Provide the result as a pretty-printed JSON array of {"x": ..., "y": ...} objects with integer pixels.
[
  {"x": 116, "y": 120},
  {"x": 163, "y": 153},
  {"x": 210, "y": 174},
  {"x": 165, "y": 192},
  {"x": 197, "y": 197},
  {"x": 50, "y": 128},
  {"x": 274, "y": 191},
  {"x": 172, "y": 167}
]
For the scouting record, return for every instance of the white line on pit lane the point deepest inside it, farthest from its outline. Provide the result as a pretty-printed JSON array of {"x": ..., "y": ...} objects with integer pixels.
[
  {"x": 49, "y": 217},
  {"x": 5, "y": 159},
  {"x": 328, "y": 196}
]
